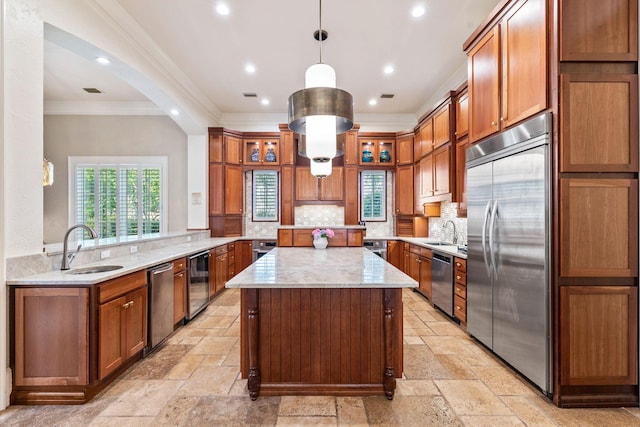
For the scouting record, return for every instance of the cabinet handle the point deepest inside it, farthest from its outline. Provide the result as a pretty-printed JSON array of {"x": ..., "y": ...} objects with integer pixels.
[{"x": 127, "y": 305}]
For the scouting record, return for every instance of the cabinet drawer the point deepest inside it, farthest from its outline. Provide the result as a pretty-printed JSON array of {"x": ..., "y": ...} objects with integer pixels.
[
  {"x": 460, "y": 308},
  {"x": 231, "y": 257},
  {"x": 231, "y": 246},
  {"x": 460, "y": 290},
  {"x": 461, "y": 264},
  {"x": 121, "y": 285},
  {"x": 179, "y": 265},
  {"x": 461, "y": 277},
  {"x": 221, "y": 250},
  {"x": 425, "y": 252}
]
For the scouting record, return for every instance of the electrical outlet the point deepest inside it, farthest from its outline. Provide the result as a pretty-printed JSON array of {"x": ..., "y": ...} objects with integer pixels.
[
  {"x": 105, "y": 254},
  {"x": 188, "y": 238},
  {"x": 133, "y": 249}
]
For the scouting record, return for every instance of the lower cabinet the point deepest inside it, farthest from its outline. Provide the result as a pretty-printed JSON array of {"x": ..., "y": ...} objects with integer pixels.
[
  {"x": 66, "y": 342},
  {"x": 221, "y": 268},
  {"x": 179, "y": 290},
  {"x": 460, "y": 290},
  {"x": 395, "y": 255},
  {"x": 420, "y": 268}
]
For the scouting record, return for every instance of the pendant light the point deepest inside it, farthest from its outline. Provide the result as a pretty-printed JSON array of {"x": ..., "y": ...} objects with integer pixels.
[
  {"x": 320, "y": 169},
  {"x": 320, "y": 111}
]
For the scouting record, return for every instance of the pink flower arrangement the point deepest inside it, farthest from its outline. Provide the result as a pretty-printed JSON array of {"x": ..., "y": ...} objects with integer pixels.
[{"x": 322, "y": 232}]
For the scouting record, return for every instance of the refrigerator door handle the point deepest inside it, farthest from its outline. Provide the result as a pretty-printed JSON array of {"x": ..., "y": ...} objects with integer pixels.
[
  {"x": 484, "y": 237},
  {"x": 494, "y": 215}
]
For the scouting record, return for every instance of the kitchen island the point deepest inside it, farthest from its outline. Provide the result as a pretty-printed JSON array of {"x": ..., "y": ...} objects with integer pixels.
[{"x": 321, "y": 322}]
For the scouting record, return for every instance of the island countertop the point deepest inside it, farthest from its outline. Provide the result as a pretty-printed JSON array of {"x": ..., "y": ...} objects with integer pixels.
[{"x": 339, "y": 267}]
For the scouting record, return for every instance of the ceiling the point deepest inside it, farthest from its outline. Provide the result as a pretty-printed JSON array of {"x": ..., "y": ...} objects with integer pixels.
[{"x": 211, "y": 52}]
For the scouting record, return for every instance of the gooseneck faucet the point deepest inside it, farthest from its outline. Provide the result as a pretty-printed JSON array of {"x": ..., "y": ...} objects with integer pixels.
[
  {"x": 455, "y": 234},
  {"x": 67, "y": 258}
]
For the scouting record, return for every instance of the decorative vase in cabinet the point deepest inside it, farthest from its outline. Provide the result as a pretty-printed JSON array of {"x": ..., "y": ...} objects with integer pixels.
[
  {"x": 385, "y": 157},
  {"x": 270, "y": 156},
  {"x": 367, "y": 157},
  {"x": 255, "y": 155}
]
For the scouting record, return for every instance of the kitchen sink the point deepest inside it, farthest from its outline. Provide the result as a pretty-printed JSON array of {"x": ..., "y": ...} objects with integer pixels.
[{"x": 94, "y": 269}]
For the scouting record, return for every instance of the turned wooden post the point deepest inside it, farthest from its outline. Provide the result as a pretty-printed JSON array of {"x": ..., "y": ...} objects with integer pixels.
[
  {"x": 389, "y": 381},
  {"x": 253, "y": 383}
]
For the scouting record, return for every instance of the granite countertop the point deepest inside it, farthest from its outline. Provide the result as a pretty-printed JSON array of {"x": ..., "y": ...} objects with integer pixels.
[
  {"x": 134, "y": 262},
  {"x": 314, "y": 268},
  {"x": 435, "y": 245}
]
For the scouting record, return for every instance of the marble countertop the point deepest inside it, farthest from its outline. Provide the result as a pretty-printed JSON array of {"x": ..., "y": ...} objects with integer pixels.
[
  {"x": 316, "y": 268},
  {"x": 333, "y": 227},
  {"x": 134, "y": 262}
]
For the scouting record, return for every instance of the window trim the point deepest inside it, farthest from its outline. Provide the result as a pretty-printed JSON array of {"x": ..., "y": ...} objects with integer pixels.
[
  {"x": 120, "y": 161},
  {"x": 276, "y": 218},
  {"x": 382, "y": 218}
]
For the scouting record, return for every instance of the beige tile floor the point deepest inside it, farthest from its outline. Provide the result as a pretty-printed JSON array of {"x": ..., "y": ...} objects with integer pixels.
[{"x": 193, "y": 380}]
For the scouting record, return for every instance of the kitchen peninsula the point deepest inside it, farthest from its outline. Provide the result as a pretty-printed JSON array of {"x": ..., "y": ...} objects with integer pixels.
[{"x": 321, "y": 322}]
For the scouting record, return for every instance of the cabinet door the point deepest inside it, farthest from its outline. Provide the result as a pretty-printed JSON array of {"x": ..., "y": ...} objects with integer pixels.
[
  {"x": 599, "y": 328},
  {"x": 598, "y": 227},
  {"x": 244, "y": 255},
  {"x": 612, "y": 33},
  {"x": 461, "y": 176},
  {"x": 524, "y": 61},
  {"x": 233, "y": 150},
  {"x": 462, "y": 115},
  {"x": 395, "y": 255},
  {"x": 306, "y": 184},
  {"x": 351, "y": 202},
  {"x": 404, "y": 150},
  {"x": 426, "y": 138},
  {"x": 233, "y": 189},
  {"x": 484, "y": 88},
  {"x": 332, "y": 187},
  {"x": 286, "y": 195},
  {"x": 599, "y": 115},
  {"x": 287, "y": 148},
  {"x": 351, "y": 148},
  {"x": 425, "y": 276},
  {"x": 135, "y": 322},
  {"x": 441, "y": 126},
  {"x": 51, "y": 336},
  {"x": 414, "y": 266},
  {"x": 221, "y": 271},
  {"x": 441, "y": 167},
  {"x": 404, "y": 190},
  {"x": 426, "y": 176},
  {"x": 111, "y": 346},
  {"x": 179, "y": 296},
  {"x": 216, "y": 193}
]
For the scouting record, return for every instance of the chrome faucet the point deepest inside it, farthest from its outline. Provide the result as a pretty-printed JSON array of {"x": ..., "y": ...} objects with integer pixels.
[
  {"x": 67, "y": 258},
  {"x": 455, "y": 234}
]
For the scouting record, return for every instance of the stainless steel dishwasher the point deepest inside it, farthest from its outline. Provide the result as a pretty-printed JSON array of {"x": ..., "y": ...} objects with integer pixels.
[
  {"x": 442, "y": 281},
  {"x": 160, "y": 304}
]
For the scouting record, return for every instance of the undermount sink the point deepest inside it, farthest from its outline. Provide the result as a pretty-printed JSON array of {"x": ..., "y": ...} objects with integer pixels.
[
  {"x": 439, "y": 243},
  {"x": 94, "y": 269}
]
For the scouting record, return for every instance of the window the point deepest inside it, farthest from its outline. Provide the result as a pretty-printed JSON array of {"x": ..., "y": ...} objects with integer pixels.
[
  {"x": 118, "y": 196},
  {"x": 373, "y": 196},
  {"x": 265, "y": 196}
]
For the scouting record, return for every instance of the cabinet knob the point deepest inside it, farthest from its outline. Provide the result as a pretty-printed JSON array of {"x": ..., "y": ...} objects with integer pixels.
[
  {"x": 458, "y": 277},
  {"x": 458, "y": 264},
  {"x": 502, "y": 119},
  {"x": 457, "y": 289},
  {"x": 493, "y": 123},
  {"x": 458, "y": 308}
]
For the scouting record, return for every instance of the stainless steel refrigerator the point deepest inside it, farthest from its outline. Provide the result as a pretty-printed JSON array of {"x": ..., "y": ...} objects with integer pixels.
[{"x": 508, "y": 264}]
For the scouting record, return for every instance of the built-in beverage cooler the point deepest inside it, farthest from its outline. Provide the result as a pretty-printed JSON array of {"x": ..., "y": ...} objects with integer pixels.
[{"x": 197, "y": 283}]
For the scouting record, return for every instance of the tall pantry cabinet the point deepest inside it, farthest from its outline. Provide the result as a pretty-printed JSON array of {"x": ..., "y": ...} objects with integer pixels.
[{"x": 577, "y": 59}]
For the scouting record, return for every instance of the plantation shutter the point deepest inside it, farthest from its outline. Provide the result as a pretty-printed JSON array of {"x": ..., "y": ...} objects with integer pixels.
[
  {"x": 373, "y": 195},
  {"x": 265, "y": 196}
]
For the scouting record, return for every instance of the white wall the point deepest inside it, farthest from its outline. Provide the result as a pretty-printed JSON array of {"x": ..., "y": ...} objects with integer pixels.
[
  {"x": 5, "y": 383},
  {"x": 66, "y": 136}
]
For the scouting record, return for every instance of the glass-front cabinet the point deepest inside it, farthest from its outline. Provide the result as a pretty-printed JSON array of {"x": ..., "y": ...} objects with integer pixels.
[
  {"x": 261, "y": 152},
  {"x": 377, "y": 152}
]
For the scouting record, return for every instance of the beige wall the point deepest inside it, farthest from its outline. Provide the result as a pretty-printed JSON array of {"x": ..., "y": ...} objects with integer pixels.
[{"x": 66, "y": 136}]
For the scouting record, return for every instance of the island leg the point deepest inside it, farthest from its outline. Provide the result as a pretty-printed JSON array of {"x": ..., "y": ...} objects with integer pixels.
[
  {"x": 389, "y": 381},
  {"x": 253, "y": 383}
]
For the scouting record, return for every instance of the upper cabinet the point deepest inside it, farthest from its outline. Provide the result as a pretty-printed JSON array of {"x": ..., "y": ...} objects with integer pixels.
[
  {"x": 596, "y": 30},
  {"x": 462, "y": 113},
  {"x": 507, "y": 70},
  {"x": 312, "y": 189},
  {"x": 261, "y": 152},
  {"x": 377, "y": 151},
  {"x": 442, "y": 126},
  {"x": 232, "y": 150},
  {"x": 404, "y": 149}
]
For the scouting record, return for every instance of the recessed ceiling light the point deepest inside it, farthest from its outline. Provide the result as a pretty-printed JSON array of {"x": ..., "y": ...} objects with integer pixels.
[
  {"x": 373, "y": 102},
  {"x": 175, "y": 112},
  {"x": 223, "y": 9},
  {"x": 264, "y": 101},
  {"x": 418, "y": 11},
  {"x": 102, "y": 60},
  {"x": 249, "y": 68},
  {"x": 388, "y": 69}
]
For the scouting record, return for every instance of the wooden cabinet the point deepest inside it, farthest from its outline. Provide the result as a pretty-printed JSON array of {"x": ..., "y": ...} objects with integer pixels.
[
  {"x": 425, "y": 174},
  {"x": 404, "y": 190},
  {"x": 594, "y": 30},
  {"x": 404, "y": 149},
  {"x": 377, "y": 151},
  {"x": 261, "y": 152},
  {"x": 231, "y": 261},
  {"x": 599, "y": 113},
  {"x": 218, "y": 277},
  {"x": 601, "y": 343},
  {"x": 243, "y": 255},
  {"x": 460, "y": 290},
  {"x": 420, "y": 268},
  {"x": 462, "y": 113},
  {"x": 461, "y": 176},
  {"x": 310, "y": 188},
  {"x": 599, "y": 227},
  {"x": 179, "y": 290},
  {"x": 442, "y": 126},
  {"x": 287, "y": 196},
  {"x": 508, "y": 70},
  {"x": 51, "y": 338},
  {"x": 122, "y": 321},
  {"x": 351, "y": 148},
  {"x": 302, "y": 237},
  {"x": 423, "y": 145},
  {"x": 232, "y": 150},
  {"x": 434, "y": 175},
  {"x": 233, "y": 190},
  {"x": 395, "y": 254},
  {"x": 351, "y": 198}
]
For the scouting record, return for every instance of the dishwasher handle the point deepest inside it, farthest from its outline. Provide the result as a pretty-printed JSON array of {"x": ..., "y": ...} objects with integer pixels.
[{"x": 162, "y": 268}]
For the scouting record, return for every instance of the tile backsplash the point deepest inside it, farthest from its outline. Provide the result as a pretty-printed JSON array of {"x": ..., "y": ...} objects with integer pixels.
[{"x": 448, "y": 211}]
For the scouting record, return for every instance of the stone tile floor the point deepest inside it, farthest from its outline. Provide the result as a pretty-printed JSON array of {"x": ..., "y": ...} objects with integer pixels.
[{"x": 193, "y": 380}]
